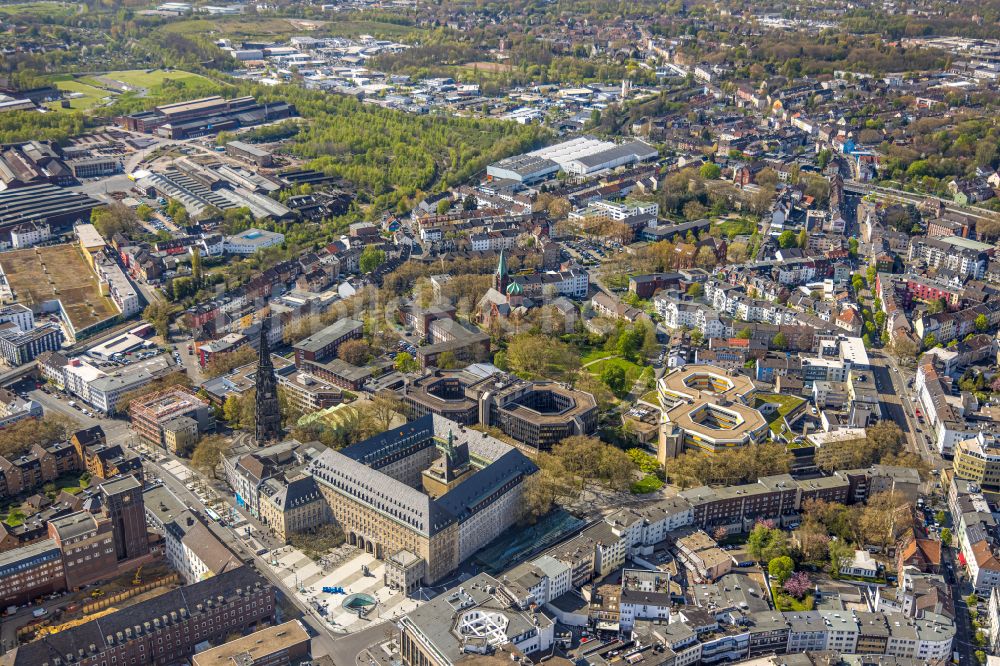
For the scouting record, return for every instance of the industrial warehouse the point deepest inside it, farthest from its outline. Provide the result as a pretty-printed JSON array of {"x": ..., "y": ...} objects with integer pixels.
[
  {"x": 44, "y": 208},
  {"x": 582, "y": 156},
  {"x": 208, "y": 115}
]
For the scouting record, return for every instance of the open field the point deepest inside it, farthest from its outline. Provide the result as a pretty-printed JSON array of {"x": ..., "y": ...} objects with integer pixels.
[
  {"x": 91, "y": 96},
  {"x": 284, "y": 28},
  {"x": 244, "y": 27},
  {"x": 486, "y": 66},
  {"x": 57, "y": 272},
  {"x": 373, "y": 28},
  {"x": 147, "y": 78},
  {"x": 39, "y": 9}
]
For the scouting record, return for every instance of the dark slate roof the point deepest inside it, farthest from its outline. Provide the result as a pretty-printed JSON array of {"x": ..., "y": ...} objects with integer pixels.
[{"x": 95, "y": 632}]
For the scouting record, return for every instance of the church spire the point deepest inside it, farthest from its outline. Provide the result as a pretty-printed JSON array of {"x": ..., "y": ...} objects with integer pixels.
[
  {"x": 500, "y": 278},
  {"x": 267, "y": 421}
]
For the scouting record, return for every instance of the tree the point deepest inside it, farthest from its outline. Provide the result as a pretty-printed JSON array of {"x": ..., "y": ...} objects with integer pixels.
[
  {"x": 780, "y": 569},
  {"x": 884, "y": 518},
  {"x": 803, "y": 239},
  {"x": 903, "y": 349},
  {"x": 115, "y": 218},
  {"x": 586, "y": 459},
  {"x": 814, "y": 540},
  {"x": 371, "y": 258},
  {"x": 787, "y": 239},
  {"x": 628, "y": 342},
  {"x": 355, "y": 352},
  {"x": 535, "y": 356},
  {"x": 541, "y": 490},
  {"x": 852, "y": 247},
  {"x": 647, "y": 464},
  {"x": 766, "y": 542},
  {"x": 208, "y": 454},
  {"x": 982, "y": 323},
  {"x": 710, "y": 171},
  {"x": 196, "y": 266},
  {"x": 221, "y": 364},
  {"x": 737, "y": 252},
  {"x": 406, "y": 363},
  {"x": 143, "y": 212},
  {"x": 729, "y": 467},
  {"x": 840, "y": 554},
  {"x": 469, "y": 203},
  {"x": 18, "y": 438},
  {"x": 613, "y": 377},
  {"x": 937, "y": 305},
  {"x": 797, "y": 585},
  {"x": 158, "y": 313},
  {"x": 696, "y": 290},
  {"x": 745, "y": 334},
  {"x": 382, "y": 410},
  {"x": 231, "y": 410},
  {"x": 946, "y": 536},
  {"x": 823, "y": 157},
  {"x": 780, "y": 341},
  {"x": 447, "y": 360},
  {"x": 767, "y": 178},
  {"x": 705, "y": 258},
  {"x": 443, "y": 206}
]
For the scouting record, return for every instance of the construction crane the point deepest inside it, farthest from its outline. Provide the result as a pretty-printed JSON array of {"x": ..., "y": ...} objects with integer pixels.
[
  {"x": 52, "y": 629},
  {"x": 137, "y": 579}
]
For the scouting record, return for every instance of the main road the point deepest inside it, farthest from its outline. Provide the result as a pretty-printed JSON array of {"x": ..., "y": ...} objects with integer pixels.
[{"x": 894, "y": 385}]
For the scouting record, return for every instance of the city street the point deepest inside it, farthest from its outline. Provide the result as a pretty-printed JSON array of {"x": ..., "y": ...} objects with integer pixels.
[{"x": 899, "y": 406}]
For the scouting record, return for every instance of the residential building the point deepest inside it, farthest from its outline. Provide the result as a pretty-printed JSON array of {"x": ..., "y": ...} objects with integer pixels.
[{"x": 164, "y": 629}]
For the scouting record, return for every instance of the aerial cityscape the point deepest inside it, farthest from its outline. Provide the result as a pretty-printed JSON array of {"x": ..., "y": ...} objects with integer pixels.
[{"x": 455, "y": 333}]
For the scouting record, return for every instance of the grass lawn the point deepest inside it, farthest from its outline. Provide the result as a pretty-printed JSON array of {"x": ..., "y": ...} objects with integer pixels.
[
  {"x": 40, "y": 9},
  {"x": 632, "y": 370},
  {"x": 651, "y": 397},
  {"x": 142, "y": 78},
  {"x": 92, "y": 96},
  {"x": 649, "y": 483},
  {"x": 785, "y": 603},
  {"x": 374, "y": 28},
  {"x": 281, "y": 28},
  {"x": 736, "y": 226},
  {"x": 786, "y": 403},
  {"x": 70, "y": 483},
  {"x": 595, "y": 355}
]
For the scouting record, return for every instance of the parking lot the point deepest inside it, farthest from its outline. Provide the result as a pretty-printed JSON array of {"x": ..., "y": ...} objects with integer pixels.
[{"x": 592, "y": 253}]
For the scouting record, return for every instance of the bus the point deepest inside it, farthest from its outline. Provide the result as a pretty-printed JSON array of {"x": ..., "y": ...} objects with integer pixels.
[
  {"x": 213, "y": 515},
  {"x": 956, "y": 658}
]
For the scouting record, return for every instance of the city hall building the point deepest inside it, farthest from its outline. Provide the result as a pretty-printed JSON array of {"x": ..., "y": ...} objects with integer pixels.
[{"x": 423, "y": 496}]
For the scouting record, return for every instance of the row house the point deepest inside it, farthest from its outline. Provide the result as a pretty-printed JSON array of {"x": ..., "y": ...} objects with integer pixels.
[
  {"x": 945, "y": 326},
  {"x": 695, "y": 316},
  {"x": 962, "y": 256}
]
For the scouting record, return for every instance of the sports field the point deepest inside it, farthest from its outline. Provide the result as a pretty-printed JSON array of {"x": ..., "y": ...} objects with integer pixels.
[{"x": 57, "y": 272}]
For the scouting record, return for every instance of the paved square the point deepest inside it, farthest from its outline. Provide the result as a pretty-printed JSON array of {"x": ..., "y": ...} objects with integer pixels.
[{"x": 308, "y": 578}]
